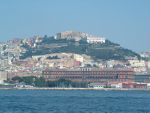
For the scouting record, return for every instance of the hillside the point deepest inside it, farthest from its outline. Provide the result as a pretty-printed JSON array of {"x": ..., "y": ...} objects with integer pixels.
[{"x": 104, "y": 51}]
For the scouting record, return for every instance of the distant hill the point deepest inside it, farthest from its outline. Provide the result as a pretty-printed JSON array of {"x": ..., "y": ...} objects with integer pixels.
[{"x": 104, "y": 51}]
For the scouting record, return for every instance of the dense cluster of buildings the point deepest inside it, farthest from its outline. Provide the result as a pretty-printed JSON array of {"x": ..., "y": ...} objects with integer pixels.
[{"x": 71, "y": 66}]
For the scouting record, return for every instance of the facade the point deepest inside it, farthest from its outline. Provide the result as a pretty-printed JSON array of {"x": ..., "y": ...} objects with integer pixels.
[
  {"x": 90, "y": 75},
  {"x": 3, "y": 76},
  {"x": 137, "y": 63},
  {"x": 116, "y": 85},
  {"x": 71, "y": 35},
  {"x": 134, "y": 85},
  {"x": 80, "y": 35},
  {"x": 78, "y": 57},
  {"x": 142, "y": 78},
  {"x": 93, "y": 39},
  {"x": 98, "y": 85}
]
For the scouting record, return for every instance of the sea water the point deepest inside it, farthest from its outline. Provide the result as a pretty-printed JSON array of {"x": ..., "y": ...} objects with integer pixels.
[{"x": 74, "y": 101}]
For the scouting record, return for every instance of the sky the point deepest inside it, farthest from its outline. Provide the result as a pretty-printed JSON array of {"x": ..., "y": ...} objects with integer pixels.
[{"x": 126, "y": 22}]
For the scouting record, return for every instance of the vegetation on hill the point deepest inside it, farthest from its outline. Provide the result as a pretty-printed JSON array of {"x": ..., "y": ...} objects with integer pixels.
[{"x": 105, "y": 51}]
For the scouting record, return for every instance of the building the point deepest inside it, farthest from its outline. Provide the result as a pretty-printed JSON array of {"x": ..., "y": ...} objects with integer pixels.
[
  {"x": 77, "y": 36},
  {"x": 142, "y": 78},
  {"x": 116, "y": 85},
  {"x": 148, "y": 64},
  {"x": 3, "y": 76},
  {"x": 90, "y": 75},
  {"x": 78, "y": 57},
  {"x": 71, "y": 35},
  {"x": 137, "y": 63},
  {"x": 98, "y": 85},
  {"x": 93, "y": 39},
  {"x": 134, "y": 85}
]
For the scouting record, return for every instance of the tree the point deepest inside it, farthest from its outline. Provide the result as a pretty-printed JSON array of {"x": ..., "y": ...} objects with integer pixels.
[
  {"x": 17, "y": 79},
  {"x": 40, "y": 82}
]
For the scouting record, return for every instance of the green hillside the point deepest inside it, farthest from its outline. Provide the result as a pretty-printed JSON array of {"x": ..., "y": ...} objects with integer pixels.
[{"x": 105, "y": 51}]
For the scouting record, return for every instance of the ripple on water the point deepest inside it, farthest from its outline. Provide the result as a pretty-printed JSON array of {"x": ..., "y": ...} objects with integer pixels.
[{"x": 52, "y": 101}]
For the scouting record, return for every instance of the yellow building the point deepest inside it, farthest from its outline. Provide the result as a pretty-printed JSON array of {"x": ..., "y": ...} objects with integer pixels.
[{"x": 78, "y": 57}]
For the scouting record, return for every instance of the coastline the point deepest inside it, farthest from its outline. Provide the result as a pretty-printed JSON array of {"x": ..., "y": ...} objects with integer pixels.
[{"x": 101, "y": 89}]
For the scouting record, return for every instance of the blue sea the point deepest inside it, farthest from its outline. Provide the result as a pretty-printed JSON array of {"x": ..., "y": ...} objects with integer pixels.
[{"x": 74, "y": 101}]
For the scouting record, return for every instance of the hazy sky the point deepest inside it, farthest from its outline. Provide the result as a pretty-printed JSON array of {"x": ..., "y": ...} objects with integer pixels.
[{"x": 126, "y": 22}]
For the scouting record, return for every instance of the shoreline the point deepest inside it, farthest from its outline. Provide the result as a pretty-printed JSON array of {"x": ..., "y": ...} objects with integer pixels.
[{"x": 101, "y": 89}]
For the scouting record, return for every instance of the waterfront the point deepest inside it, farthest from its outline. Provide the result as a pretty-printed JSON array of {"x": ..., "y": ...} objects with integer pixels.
[{"x": 74, "y": 101}]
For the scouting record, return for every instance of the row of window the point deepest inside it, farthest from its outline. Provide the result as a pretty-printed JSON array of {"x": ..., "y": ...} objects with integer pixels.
[
  {"x": 89, "y": 72},
  {"x": 83, "y": 77}
]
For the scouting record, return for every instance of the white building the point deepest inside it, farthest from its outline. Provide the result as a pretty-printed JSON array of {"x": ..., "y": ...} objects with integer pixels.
[
  {"x": 97, "y": 85},
  {"x": 116, "y": 85},
  {"x": 92, "y": 39},
  {"x": 148, "y": 85}
]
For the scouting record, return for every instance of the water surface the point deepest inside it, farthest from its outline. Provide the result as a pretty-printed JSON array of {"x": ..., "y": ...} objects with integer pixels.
[{"x": 74, "y": 101}]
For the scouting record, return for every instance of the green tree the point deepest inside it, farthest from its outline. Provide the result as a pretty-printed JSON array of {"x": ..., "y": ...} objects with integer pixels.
[
  {"x": 17, "y": 79},
  {"x": 40, "y": 82}
]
